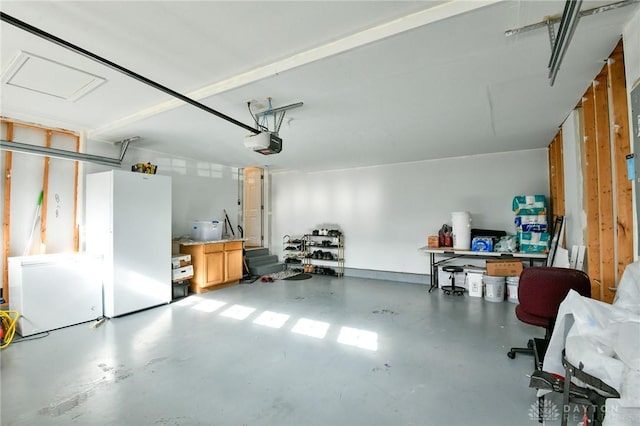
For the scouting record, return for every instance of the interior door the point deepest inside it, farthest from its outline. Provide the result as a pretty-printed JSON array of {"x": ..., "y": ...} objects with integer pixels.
[{"x": 253, "y": 179}]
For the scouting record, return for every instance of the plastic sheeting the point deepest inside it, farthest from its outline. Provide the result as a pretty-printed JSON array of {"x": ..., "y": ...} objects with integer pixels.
[{"x": 606, "y": 340}]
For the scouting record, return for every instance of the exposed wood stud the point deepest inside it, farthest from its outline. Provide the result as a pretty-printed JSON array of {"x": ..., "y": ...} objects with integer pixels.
[
  {"x": 560, "y": 210},
  {"x": 76, "y": 229},
  {"x": 42, "y": 249},
  {"x": 606, "y": 199},
  {"x": 556, "y": 177},
  {"x": 621, "y": 147},
  {"x": 6, "y": 219},
  {"x": 553, "y": 181},
  {"x": 591, "y": 193}
]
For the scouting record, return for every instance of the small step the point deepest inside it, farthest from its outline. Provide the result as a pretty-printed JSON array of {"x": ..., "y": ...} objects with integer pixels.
[
  {"x": 261, "y": 260},
  {"x": 268, "y": 269},
  {"x": 256, "y": 252}
]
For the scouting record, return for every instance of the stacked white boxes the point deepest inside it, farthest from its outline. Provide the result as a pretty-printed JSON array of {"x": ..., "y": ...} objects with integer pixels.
[
  {"x": 531, "y": 223},
  {"x": 181, "y": 273}
]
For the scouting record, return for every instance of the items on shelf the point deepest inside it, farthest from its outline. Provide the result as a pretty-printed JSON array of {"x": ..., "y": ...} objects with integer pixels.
[
  {"x": 531, "y": 223},
  {"x": 144, "y": 168},
  {"x": 324, "y": 252},
  {"x": 293, "y": 252},
  {"x": 482, "y": 244},
  {"x": 319, "y": 252},
  {"x": 433, "y": 241},
  {"x": 445, "y": 239}
]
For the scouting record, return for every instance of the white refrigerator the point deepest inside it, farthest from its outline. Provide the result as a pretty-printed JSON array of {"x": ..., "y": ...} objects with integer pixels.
[{"x": 128, "y": 222}]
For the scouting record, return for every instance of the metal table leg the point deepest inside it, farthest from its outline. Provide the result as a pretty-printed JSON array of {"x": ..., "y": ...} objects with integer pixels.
[{"x": 434, "y": 272}]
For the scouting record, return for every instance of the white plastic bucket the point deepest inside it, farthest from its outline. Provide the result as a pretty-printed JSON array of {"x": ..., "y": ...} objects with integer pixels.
[
  {"x": 512, "y": 293},
  {"x": 461, "y": 230},
  {"x": 512, "y": 289},
  {"x": 493, "y": 288},
  {"x": 474, "y": 284},
  {"x": 473, "y": 281}
]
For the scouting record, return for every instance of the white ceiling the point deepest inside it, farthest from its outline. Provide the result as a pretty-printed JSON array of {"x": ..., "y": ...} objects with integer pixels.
[{"x": 381, "y": 81}]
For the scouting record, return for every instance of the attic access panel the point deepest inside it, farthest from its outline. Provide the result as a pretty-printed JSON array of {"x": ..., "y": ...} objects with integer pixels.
[{"x": 32, "y": 72}]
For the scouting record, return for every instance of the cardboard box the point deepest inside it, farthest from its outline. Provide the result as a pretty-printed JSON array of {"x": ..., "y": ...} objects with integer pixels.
[
  {"x": 180, "y": 260},
  {"x": 504, "y": 268},
  {"x": 183, "y": 273}
]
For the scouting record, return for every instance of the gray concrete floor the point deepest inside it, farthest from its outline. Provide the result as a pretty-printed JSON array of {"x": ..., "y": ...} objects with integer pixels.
[{"x": 404, "y": 357}]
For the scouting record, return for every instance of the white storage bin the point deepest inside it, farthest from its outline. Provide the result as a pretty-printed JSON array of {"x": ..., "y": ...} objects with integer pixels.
[
  {"x": 206, "y": 230},
  {"x": 180, "y": 274}
]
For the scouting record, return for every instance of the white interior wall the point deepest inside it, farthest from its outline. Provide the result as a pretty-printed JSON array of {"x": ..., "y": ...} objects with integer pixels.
[
  {"x": 631, "y": 40},
  {"x": 387, "y": 212},
  {"x": 200, "y": 190}
]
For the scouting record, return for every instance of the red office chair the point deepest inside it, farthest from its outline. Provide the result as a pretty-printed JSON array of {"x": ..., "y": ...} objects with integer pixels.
[{"x": 541, "y": 289}]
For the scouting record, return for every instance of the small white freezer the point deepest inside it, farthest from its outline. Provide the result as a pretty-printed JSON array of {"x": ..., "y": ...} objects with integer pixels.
[{"x": 52, "y": 291}]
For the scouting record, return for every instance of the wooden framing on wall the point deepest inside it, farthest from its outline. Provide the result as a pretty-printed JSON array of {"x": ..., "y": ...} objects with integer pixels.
[
  {"x": 619, "y": 116},
  {"x": 591, "y": 195},
  {"x": 76, "y": 228},
  {"x": 10, "y": 163},
  {"x": 45, "y": 197},
  {"x": 607, "y": 194},
  {"x": 6, "y": 217},
  {"x": 605, "y": 185},
  {"x": 556, "y": 177}
]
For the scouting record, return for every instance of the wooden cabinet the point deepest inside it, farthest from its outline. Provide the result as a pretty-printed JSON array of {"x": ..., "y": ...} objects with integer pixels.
[
  {"x": 214, "y": 269},
  {"x": 233, "y": 261},
  {"x": 214, "y": 264}
]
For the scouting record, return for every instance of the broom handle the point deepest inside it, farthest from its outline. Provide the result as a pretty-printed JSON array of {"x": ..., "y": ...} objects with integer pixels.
[{"x": 229, "y": 222}]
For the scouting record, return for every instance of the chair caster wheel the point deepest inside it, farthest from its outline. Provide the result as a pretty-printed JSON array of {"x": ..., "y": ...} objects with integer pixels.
[
  {"x": 447, "y": 292},
  {"x": 511, "y": 354},
  {"x": 459, "y": 293}
]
